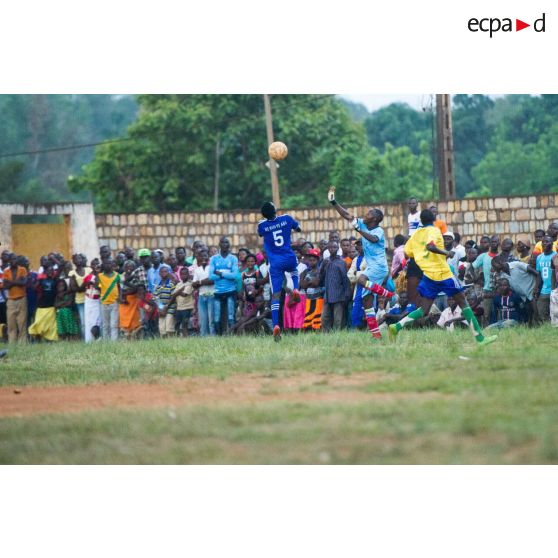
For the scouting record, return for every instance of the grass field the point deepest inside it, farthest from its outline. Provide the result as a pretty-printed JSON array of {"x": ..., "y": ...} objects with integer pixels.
[{"x": 433, "y": 397}]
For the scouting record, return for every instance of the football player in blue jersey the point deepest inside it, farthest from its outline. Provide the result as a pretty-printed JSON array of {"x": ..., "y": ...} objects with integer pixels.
[
  {"x": 276, "y": 233},
  {"x": 376, "y": 273}
]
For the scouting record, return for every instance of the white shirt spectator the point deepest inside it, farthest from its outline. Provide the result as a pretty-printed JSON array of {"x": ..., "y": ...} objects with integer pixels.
[
  {"x": 454, "y": 262},
  {"x": 449, "y": 314},
  {"x": 326, "y": 253},
  {"x": 413, "y": 220},
  {"x": 199, "y": 275}
]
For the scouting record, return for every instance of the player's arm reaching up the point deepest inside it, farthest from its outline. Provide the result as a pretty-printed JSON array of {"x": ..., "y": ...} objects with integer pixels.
[{"x": 346, "y": 215}]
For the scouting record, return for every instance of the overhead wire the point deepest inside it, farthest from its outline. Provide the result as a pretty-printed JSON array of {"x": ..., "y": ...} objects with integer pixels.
[{"x": 139, "y": 135}]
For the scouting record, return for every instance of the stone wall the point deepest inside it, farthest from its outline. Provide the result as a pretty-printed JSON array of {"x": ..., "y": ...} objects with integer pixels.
[{"x": 472, "y": 218}]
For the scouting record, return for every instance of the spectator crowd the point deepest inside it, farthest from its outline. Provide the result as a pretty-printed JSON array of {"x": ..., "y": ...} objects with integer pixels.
[{"x": 215, "y": 291}]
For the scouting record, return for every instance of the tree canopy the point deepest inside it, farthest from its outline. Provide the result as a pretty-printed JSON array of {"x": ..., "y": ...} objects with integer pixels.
[
  {"x": 34, "y": 123},
  {"x": 169, "y": 161},
  {"x": 167, "y": 148}
]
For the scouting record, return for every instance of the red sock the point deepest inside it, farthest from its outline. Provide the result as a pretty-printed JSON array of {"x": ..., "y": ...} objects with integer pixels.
[
  {"x": 373, "y": 325},
  {"x": 378, "y": 289}
]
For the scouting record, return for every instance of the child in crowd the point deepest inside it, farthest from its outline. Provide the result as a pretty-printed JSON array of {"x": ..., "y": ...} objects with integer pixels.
[
  {"x": 66, "y": 322},
  {"x": 167, "y": 307},
  {"x": 149, "y": 311},
  {"x": 108, "y": 283},
  {"x": 257, "y": 322},
  {"x": 183, "y": 295}
]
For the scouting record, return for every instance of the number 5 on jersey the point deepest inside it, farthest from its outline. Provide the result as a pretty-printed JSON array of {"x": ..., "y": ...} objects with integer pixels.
[{"x": 278, "y": 238}]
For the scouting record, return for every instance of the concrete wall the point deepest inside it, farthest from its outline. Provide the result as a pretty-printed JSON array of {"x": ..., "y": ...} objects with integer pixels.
[
  {"x": 472, "y": 218},
  {"x": 82, "y": 223}
]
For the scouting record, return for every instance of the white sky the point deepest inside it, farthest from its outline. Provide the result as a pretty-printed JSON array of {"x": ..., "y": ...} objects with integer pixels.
[
  {"x": 417, "y": 100},
  {"x": 374, "y": 102}
]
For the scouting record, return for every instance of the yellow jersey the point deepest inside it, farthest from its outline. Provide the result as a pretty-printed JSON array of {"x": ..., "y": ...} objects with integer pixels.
[{"x": 434, "y": 266}]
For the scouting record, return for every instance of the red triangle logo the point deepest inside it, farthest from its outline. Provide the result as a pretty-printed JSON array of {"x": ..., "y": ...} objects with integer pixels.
[{"x": 519, "y": 25}]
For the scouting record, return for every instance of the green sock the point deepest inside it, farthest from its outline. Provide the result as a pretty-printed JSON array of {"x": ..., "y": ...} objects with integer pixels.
[
  {"x": 473, "y": 324},
  {"x": 414, "y": 315}
]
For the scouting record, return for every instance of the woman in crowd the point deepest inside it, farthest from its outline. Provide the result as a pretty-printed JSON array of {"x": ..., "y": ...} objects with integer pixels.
[
  {"x": 66, "y": 322},
  {"x": 313, "y": 290},
  {"x": 92, "y": 301},
  {"x": 129, "y": 310},
  {"x": 44, "y": 327}
]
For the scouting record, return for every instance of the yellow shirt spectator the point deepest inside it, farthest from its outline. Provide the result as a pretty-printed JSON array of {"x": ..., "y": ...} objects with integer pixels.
[
  {"x": 434, "y": 266},
  {"x": 108, "y": 285},
  {"x": 539, "y": 249}
]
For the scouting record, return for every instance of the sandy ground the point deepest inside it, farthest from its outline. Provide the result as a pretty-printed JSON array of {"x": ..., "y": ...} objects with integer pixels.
[{"x": 241, "y": 389}]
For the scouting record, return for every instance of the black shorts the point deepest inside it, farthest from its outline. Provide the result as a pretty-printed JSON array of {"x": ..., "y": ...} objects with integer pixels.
[
  {"x": 413, "y": 270},
  {"x": 181, "y": 319}
]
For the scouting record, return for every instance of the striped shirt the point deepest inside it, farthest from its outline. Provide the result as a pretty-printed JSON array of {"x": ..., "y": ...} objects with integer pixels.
[
  {"x": 336, "y": 282},
  {"x": 163, "y": 294}
]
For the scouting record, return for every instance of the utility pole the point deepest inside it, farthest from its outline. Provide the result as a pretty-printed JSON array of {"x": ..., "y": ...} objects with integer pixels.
[
  {"x": 272, "y": 164},
  {"x": 217, "y": 172},
  {"x": 444, "y": 143}
]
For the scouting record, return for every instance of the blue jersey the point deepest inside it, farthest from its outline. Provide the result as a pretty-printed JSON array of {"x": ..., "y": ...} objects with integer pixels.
[
  {"x": 544, "y": 267},
  {"x": 374, "y": 252},
  {"x": 277, "y": 236}
]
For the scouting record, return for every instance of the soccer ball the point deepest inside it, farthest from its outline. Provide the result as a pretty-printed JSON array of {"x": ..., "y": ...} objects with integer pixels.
[{"x": 278, "y": 150}]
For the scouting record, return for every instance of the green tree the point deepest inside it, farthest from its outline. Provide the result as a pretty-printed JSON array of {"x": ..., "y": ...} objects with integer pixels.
[
  {"x": 357, "y": 111},
  {"x": 514, "y": 168},
  {"x": 472, "y": 133},
  {"x": 34, "y": 123},
  {"x": 369, "y": 176},
  {"x": 399, "y": 125},
  {"x": 170, "y": 159}
]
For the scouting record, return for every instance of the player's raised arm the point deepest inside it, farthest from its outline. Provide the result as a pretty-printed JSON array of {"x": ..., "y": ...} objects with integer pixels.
[
  {"x": 356, "y": 223},
  {"x": 340, "y": 209}
]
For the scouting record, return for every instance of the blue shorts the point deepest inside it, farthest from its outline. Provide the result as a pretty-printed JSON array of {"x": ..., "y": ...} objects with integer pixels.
[
  {"x": 376, "y": 275},
  {"x": 379, "y": 276},
  {"x": 430, "y": 289},
  {"x": 277, "y": 269}
]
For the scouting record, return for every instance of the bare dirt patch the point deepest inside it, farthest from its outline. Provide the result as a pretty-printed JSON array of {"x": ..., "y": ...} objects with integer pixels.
[{"x": 240, "y": 389}]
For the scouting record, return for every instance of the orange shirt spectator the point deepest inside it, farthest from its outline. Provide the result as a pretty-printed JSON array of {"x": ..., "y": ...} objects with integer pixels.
[
  {"x": 438, "y": 222},
  {"x": 441, "y": 225},
  {"x": 16, "y": 292}
]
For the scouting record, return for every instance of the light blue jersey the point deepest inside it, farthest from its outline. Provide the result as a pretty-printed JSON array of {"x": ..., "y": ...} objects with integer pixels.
[
  {"x": 374, "y": 252},
  {"x": 544, "y": 267},
  {"x": 225, "y": 282}
]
